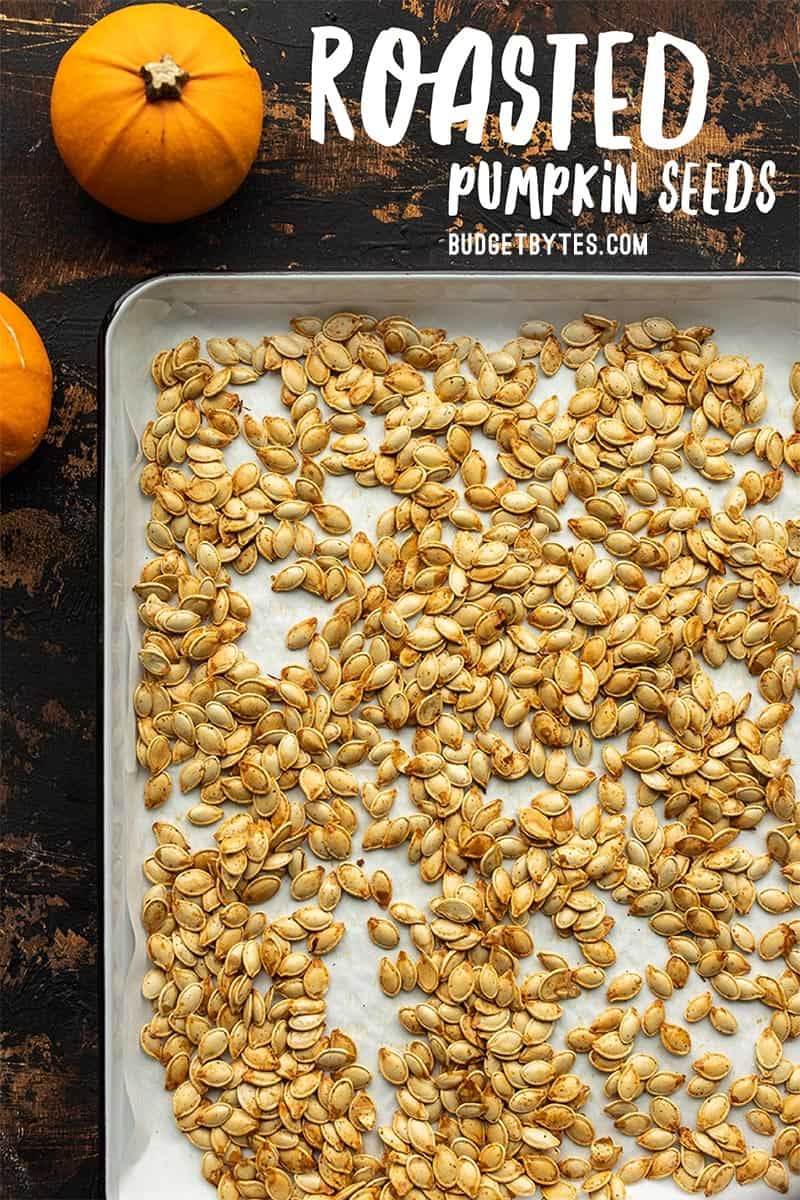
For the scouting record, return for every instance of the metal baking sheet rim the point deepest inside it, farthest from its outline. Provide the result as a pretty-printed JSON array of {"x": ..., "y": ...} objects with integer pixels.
[{"x": 329, "y": 288}]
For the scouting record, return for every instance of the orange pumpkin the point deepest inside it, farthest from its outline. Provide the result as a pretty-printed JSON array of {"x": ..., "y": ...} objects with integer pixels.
[
  {"x": 26, "y": 386},
  {"x": 157, "y": 112}
]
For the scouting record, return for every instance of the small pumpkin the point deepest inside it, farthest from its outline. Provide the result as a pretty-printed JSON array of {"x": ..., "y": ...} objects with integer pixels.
[
  {"x": 157, "y": 111},
  {"x": 26, "y": 386}
]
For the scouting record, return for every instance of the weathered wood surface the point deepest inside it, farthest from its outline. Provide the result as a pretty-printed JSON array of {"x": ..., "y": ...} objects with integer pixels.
[{"x": 341, "y": 205}]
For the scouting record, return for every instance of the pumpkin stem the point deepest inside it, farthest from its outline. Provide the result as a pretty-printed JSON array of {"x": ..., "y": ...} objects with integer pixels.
[{"x": 163, "y": 80}]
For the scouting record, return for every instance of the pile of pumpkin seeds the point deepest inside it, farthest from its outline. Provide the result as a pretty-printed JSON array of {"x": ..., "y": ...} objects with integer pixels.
[{"x": 482, "y": 633}]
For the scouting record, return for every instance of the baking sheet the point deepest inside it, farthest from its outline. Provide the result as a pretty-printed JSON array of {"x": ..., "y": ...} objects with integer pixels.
[{"x": 755, "y": 315}]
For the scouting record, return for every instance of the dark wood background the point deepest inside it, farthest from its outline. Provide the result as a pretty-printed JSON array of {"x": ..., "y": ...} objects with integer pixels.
[{"x": 342, "y": 205}]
